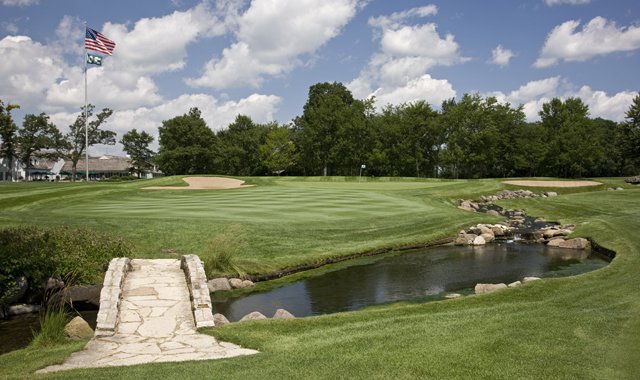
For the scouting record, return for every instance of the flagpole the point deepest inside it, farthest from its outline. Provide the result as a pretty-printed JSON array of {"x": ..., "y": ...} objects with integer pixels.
[{"x": 86, "y": 132}]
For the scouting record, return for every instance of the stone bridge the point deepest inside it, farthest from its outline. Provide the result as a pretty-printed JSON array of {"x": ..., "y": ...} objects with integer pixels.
[{"x": 150, "y": 311}]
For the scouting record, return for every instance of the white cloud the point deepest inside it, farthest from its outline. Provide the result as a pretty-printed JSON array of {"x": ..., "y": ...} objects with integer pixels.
[
  {"x": 272, "y": 36},
  {"x": 571, "y": 2},
  {"x": 398, "y": 71},
  {"x": 598, "y": 37},
  {"x": 395, "y": 19},
  {"x": 534, "y": 94},
  {"x": 156, "y": 45},
  {"x": 217, "y": 114},
  {"x": 501, "y": 56},
  {"x": 27, "y": 69},
  {"x": 433, "y": 91},
  {"x": 10, "y": 27},
  {"x": 19, "y": 3}
]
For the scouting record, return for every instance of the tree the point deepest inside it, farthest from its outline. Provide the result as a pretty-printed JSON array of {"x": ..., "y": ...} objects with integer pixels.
[
  {"x": 8, "y": 131},
  {"x": 240, "y": 147},
  {"x": 329, "y": 108},
  {"x": 137, "y": 147},
  {"x": 574, "y": 148},
  {"x": 40, "y": 138},
  {"x": 279, "y": 153},
  {"x": 631, "y": 147},
  {"x": 75, "y": 139},
  {"x": 187, "y": 145}
]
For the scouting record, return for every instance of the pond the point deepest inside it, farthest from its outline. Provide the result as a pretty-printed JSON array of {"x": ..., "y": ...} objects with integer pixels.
[
  {"x": 421, "y": 275},
  {"x": 18, "y": 331}
]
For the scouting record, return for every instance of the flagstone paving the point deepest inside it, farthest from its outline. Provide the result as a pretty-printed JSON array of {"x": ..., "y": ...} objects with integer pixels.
[{"x": 155, "y": 324}]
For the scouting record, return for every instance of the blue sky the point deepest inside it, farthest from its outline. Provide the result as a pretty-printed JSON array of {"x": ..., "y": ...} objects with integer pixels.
[{"x": 259, "y": 57}]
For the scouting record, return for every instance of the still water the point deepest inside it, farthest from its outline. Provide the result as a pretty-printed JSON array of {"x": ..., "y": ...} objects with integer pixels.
[
  {"x": 18, "y": 331},
  {"x": 416, "y": 275}
]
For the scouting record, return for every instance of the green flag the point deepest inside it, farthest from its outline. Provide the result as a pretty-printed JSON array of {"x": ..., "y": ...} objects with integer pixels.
[{"x": 94, "y": 59}]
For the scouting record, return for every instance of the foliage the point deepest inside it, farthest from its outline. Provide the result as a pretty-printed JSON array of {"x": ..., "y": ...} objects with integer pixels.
[
  {"x": 137, "y": 147},
  {"x": 187, "y": 145},
  {"x": 279, "y": 152},
  {"x": 39, "y": 253},
  {"x": 330, "y": 110},
  {"x": 221, "y": 256},
  {"x": 76, "y": 139},
  {"x": 40, "y": 138},
  {"x": 8, "y": 132}
]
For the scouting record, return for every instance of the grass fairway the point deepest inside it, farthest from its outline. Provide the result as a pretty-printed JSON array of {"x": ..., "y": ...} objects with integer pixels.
[
  {"x": 285, "y": 222},
  {"x": 586, "y": 326}
]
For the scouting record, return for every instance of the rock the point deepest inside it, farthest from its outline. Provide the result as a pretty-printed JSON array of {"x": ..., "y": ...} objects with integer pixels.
[
  {"x": 467, "y": 208},
  {"x": 497, "y": 231},
  {"x": 488, "y": 237},
  {"x": 514, "y": 284},
  {"x": 218, "y": 284},
  {"x": 78, "y": 329},
  {"x": 236, "y": 283},
  {"x": 86, "y": 293},
  {"x": 530, "y": 279},
  {"x": 52, "y": 283},
  {"x": 619, "y": 188},
  {"x": 479, "y": 240},
  {"x": 554, "y": 232},
  {"x": 493, "y": 213},
  {"x": 633, "y": 180},
  {"x": 219, "y": 319},
  {"x": 577, "y": 243},
  {"x": 23, "y": 309},
  {"x": 247, "y": 283},
  {"x": 539, "y": 220},
  {"x": 255, "y": 316},
  {"x": 464, "y": 239},
  {"x": 486, "y": 288},
  {"x": 551, "y": 194},
  {"x": 283, "y": 314},
  {"x": 453, "y": 295}
]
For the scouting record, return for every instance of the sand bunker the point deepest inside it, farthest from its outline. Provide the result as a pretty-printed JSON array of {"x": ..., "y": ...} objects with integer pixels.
[
  {"x": 552, "y": 183},
  {"x": 204, "y": 183}
]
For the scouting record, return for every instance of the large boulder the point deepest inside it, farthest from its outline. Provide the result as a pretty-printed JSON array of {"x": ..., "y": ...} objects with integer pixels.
[
  {"x": 219, "y": 319},
  {"x": 530, "y": 279},
  {"x": 465, "y": 239},
  {"x": 236, "y": 283},
  {"x": 78, "y": 329},
  {"x": 255, "y": 316},
  {"x": 577, "y": 243},
  {"x": 247, "y": 283},
  {"x": 493, "y": 213},
  {"x": 218, "y": 284},
  {"x": 283, "y": 314},
  {"x": 86, "y": 293},
  {"x": 479, "y": 240},
  {"x": 486, "y": 288},
  {"x": 633, "y": 180},
  {"x": 551, "y": 194}
]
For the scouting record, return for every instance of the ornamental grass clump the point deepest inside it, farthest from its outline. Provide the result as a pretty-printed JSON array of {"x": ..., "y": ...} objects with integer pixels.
[{"x": 221, "y": 256}]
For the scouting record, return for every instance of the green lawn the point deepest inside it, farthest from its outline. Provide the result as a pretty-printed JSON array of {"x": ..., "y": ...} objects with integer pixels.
[{"x": 586, "y": 326}]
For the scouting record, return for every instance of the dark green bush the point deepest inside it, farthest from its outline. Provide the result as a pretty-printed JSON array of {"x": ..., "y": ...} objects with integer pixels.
[
  {"x": 121, "y": 178},
  {"x": 62, "y": 252}
]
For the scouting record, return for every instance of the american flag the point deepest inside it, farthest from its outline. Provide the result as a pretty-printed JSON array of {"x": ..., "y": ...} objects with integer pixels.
[{"x": 96, "y": 41}]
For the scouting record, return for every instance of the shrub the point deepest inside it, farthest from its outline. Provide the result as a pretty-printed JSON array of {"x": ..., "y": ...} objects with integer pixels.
[
  {"x": 222, "y": 254},
  {"x": 38, "y": 253}
]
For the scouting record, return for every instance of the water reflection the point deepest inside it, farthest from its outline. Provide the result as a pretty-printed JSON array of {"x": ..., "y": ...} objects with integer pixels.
[{"x": 409, "y": 276}]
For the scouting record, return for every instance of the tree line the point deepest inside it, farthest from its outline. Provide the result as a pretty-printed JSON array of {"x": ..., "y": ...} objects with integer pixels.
[
  {"x": 474, "y": 137},
  {"x": 38, "y": 138}
]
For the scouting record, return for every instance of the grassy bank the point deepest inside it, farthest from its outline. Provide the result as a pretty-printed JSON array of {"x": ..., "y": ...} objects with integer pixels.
[{"x": 586, "y": 326}]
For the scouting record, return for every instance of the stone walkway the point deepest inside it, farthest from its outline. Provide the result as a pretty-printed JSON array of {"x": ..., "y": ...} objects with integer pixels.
[{"x": 155, "y": 324}]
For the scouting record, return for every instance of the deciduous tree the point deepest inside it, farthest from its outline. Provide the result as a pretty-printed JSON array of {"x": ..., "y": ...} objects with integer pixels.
[{"x": 136, "y": 144}]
